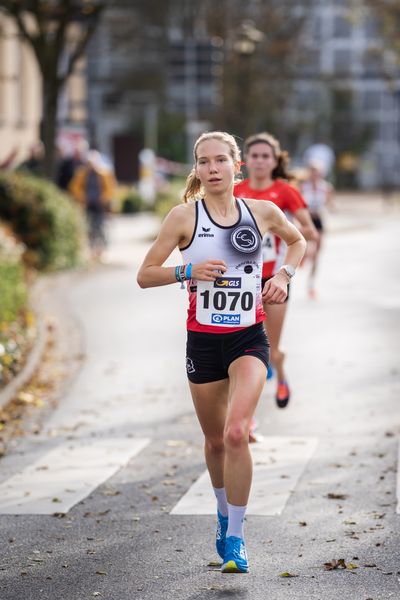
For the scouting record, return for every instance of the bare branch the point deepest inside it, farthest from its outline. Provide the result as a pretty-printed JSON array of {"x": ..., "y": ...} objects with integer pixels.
[{"x": 83, "y": 42}]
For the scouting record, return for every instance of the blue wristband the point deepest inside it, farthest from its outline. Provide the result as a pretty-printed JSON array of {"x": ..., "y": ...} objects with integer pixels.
[{"x": 189, "y": 271}]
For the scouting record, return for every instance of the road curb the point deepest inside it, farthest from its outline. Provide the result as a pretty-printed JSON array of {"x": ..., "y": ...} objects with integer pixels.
[{"x": 36, "y": 353}]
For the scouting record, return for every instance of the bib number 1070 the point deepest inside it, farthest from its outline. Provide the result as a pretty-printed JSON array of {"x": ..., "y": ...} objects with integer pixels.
[{"x": 228, "y": 300}]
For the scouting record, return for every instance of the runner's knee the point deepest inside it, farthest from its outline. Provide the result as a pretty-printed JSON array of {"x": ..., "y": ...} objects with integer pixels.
[
  {"x": 236, "y": 435},
  {"x": 215, "y": 445}
]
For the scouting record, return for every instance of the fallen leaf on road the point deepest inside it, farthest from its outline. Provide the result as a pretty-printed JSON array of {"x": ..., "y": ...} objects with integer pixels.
[
  {"x": 335, "y": 564},
  {"x": 287, "y": 574},
  {"x": 333, "y": 496},
  {"x": 111, "y": 492}
]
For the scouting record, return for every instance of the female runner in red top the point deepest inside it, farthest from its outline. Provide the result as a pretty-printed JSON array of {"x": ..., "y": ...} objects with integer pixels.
[
  {"x": 220, "y": 238},
  {"x": 266, "y": 164}
]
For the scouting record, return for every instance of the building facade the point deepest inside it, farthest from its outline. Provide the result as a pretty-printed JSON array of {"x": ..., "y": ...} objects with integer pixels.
[
  {"x": 20, "y": 95},
  {"x": 21, "y": 98},
  {"x": 345, "y": 89},
  {"x": 347, "y": 93}
]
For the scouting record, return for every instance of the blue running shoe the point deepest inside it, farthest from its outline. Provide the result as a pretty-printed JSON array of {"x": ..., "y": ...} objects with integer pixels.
[
  {"x": 235, "y": 559},
  {"x": 220, "y": 539},
  {"x": 270, "y": 372}
]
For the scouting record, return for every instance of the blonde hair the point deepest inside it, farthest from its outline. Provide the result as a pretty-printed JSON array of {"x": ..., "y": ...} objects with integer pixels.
[
  {"x": 281, "y": 170},
  {"x": 193, "y": 187}
]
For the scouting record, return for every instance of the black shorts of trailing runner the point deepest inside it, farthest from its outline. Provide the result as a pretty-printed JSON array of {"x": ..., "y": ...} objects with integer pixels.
[
  {"x": 318, "y": 224},
  {"x": 264, "y": 280},
  {"x": 209, "y": 355}
]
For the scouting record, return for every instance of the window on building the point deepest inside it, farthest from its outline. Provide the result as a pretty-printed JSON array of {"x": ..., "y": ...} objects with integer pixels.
[
  {"x": 342, "y": 61},
  {"x": 18, "y": 79},
  {"x": 2, "y": 74},
  {"x": 342, "y": 27},
  {"x": 342, "y": 100},
  {"x": 310, "y": 62},
  {"x": 373, "y": 61},
  {"x": 371, "y": 28},
  {"x": 371, "y": 100}
]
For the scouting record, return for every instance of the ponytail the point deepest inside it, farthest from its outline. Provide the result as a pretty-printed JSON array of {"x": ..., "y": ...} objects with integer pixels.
[
  {"x": 193, "y": 187},
  {"x": 281, "y": 169}
]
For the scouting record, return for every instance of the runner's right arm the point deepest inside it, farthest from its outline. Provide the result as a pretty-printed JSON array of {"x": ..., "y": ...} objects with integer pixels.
[{"x": 175, "y": 231}]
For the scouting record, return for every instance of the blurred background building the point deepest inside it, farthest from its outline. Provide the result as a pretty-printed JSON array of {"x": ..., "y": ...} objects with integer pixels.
[
  {"x": 21, "y": 107},
  {"x": 157, "y": 73},
  {"x": 347, "y": 92},
  {"x": 20, "y": 99}
]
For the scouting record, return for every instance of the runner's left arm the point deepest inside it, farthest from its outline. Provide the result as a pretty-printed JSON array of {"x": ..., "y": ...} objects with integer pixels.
[{"x": 274, "y": 220}]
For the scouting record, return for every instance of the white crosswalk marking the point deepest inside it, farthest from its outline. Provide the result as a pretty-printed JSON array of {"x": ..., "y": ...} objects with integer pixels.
[
  {"x": 65, "y": 475},
  {"x": 278, "y": 463}
]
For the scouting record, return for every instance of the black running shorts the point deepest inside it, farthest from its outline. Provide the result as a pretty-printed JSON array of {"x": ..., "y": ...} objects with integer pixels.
[
  {"x": 318, "y": 224},
  {"x": 209, "y": 355}
]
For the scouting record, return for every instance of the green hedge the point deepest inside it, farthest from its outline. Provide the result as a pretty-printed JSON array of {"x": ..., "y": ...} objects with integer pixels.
[
  {"x": 13, "y": 292},
  {"x": 48, "y": 222}
]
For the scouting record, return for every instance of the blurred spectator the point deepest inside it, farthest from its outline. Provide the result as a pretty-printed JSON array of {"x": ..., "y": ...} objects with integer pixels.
[
  {"x": 8, "y": 161},
  {"x": 324, "y": 155},
  {"x": 93, "y": 187},
  {"x": 71, "y": 158},
  {"x": 34, "y": 164}
]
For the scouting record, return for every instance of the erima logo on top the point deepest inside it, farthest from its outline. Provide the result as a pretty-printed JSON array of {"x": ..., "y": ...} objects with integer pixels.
[
  {"x": 206, "y": 232},
  {"x": 230, "y": 282},
  {"x": 245, "y": 239}
]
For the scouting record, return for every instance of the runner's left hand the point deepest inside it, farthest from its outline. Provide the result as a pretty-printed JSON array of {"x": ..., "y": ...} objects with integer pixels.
[{"x": 275, "y": 289}]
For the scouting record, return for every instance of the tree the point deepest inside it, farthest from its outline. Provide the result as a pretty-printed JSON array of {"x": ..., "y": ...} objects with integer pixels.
[
  {"x": 387, "y": 15},
  {"x": 58, "y": 32},
  {"x": 262, "y": 42}
]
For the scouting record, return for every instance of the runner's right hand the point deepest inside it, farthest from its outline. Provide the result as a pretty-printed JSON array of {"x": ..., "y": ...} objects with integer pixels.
[{"x": 209, "y": 271}]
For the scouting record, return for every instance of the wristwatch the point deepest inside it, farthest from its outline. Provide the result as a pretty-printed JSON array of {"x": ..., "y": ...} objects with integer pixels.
[{"x": 289, "y": 270}]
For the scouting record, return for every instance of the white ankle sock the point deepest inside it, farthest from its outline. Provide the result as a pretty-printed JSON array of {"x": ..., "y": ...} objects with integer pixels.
[
  {"x": 236, "y": 520},
  {"x": 222, "y": 502}
]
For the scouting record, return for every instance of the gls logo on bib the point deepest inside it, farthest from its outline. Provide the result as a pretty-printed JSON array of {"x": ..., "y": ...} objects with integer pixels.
[
  {"x": 230, "y": 282},
  {"x": 245, "y": 239}
]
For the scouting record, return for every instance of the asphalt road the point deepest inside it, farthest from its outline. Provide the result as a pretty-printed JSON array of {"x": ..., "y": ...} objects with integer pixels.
[{"x": 121, "y": 542}]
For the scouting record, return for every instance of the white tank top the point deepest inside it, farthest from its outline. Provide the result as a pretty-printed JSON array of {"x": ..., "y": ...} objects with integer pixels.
[
  {"x": 233, "y": 301},
  {"x": 315, "y": 195}
]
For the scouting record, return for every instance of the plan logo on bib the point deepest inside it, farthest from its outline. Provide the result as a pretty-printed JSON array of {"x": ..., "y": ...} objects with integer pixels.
[
  {"x": 223, "y": 319},
  {"x": 245, "y": 239}
]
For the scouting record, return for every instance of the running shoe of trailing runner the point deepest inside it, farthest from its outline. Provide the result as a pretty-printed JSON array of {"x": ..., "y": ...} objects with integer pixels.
[
  {"x": 220, "y": 538},
  {"x": 282, "y": 394},
  {"x": 270, "y": 372},
  {"x": 235, "y": 560},
  {"x": 312, "y": 294}
]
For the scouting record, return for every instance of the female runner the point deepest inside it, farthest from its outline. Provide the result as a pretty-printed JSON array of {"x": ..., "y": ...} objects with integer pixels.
[{"x": 220, "y": 238}]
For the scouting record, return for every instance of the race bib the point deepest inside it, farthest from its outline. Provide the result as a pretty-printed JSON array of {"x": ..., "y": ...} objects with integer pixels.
[
  {"x": 226, "y": 302},
  {"x": 269, "y": 248}
]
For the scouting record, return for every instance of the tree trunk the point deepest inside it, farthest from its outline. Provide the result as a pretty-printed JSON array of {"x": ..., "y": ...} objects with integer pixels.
[{"x": 51, "y": 90}]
